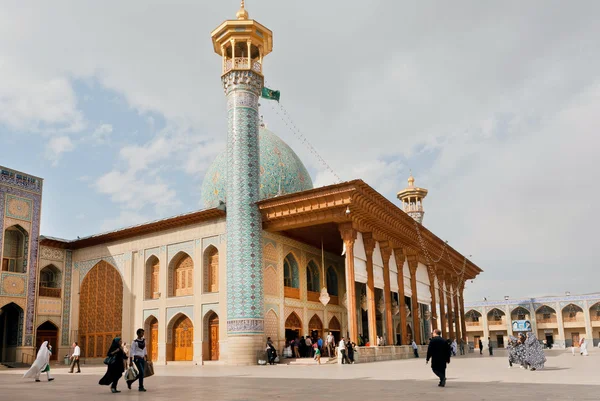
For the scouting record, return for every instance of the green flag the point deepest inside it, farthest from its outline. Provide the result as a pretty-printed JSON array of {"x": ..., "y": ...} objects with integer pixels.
[{"x": 270, "y": 94}]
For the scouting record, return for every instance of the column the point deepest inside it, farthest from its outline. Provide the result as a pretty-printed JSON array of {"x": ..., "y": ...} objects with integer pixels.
[
  {"x": 486, "y": 327},
  {"x": 442, "y": 304},
  {"x": 412, "y": 265},
  {"x": 457, "y": 313},
  {"x": 386, "y": 253},
  {"x": 589, "y": 333},
  {"x": 245, "y": 297},
  {"x": 561, "y": 343},
  {"x": 399, "y": 256},
  {"x": 371, "y": 312},
  {"x": 449, "y": 306},
  {"x": 433, "y": 301},
  {"x": 349, "y": 236},
  {"x": 463, "y": 324}
]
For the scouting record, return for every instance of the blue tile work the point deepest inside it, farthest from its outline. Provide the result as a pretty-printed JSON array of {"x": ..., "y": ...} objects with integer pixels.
[
  {"x": 26, "y": 187},
  {"x": 245, "y": 311},
  {"x": 67, "y": 299},
  {"x": 281, "y": 172}
]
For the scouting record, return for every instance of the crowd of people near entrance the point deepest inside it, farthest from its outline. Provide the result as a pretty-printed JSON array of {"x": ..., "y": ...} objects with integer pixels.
[
  {"x": 313, "y": 346},
  {"x": 526, "y": 351}
]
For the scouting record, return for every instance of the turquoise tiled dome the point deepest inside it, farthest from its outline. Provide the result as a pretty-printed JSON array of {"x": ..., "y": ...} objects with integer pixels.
[{"x": 281, "y": 172}]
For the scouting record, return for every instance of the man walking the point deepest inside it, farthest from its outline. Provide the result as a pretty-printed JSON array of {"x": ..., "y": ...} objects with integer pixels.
[
  {"x": 415, "y": 348},
  {"x": 480, "y": 347},
  {"x": 75, "y": 358},
  {"x": 330, "y": 345},
  {"x": 138, "y": 354},
  {"x": 490, "y": 348},
  {"x": 439, "y": 353},
  {"x": 342, "y": 351}
]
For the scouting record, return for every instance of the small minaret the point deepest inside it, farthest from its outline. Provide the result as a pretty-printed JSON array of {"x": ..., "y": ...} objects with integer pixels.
[
  {"x": 412, "y": 200},
  {"x": 242, "y": 44}
]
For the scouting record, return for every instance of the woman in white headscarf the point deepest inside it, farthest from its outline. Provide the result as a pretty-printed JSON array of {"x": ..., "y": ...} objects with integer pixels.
[
  {"x": 41, "y": 364},
  {"x": 583, "y": 347}
]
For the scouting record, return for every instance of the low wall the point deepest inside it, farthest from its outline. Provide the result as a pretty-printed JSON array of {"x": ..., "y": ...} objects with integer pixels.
[{"x": 386, "y": 353}]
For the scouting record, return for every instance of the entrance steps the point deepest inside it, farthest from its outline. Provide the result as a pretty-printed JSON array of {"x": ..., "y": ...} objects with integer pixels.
[{"x": 308, "y": 361}]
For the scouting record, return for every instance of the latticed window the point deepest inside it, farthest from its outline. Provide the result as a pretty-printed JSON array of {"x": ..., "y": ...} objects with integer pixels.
[
  {"x": 183, "y": 277},
  {"x": 14, "y": 250},
  {"x": 547, "y": 316},
  {"x": 312, "y": 277},
  {"x": 332, "y": 281},
  {"x": 212, "y": 272}
]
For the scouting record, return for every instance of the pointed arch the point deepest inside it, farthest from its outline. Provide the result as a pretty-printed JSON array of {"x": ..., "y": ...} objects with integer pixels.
[
  {"x": 595, "y": 312},
  {"x": 572, "y": 313},
  {"x": 48, "y": 331},
  {"x": 211, "y": 269},
  {"x": 100, "y": 309},
  {"x": 152, "y": 278},
  {"x": 50, "y": 282},
  {"x": 211, "y": 336},
  {"x": 181, "y": 275},
  {"x": 270, "y": 281},
  {"x": 272, "y": 325},
  {"x": 545, "y": 309},
  {"x": 472, "y": 316},
  {"x": 545, "y": 314},
  {"x": 151, "y": 334},
  {"x": 291, "y": 278},
  {"x": 315, "y": 326},
  {"x": 332, "y": 281},
  {"x": 313, "y": 281},
  {"x": 181, "y": 330},
  {"x": 496, "y": 315},
  {"x": 15, "y": 249},
  {"x": 269, "y": 252},
  {"x": 519, "y": 313},
  {"x": 293, "y": 322},
  {"x": 334, "y": 324}
]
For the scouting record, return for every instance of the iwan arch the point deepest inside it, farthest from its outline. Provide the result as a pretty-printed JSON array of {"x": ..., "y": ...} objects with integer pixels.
[{"x": 269, "y": 256}]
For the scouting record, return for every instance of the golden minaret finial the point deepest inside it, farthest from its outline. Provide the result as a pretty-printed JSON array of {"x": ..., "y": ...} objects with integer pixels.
[{"x": 242, "y": 13}]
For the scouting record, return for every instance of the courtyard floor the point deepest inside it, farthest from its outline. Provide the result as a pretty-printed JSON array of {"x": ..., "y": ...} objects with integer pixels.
[{"x": 469, "y": 378}]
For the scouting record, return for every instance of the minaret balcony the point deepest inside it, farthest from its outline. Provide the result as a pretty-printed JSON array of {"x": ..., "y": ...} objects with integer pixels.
[{"x": 242, "y": 63}]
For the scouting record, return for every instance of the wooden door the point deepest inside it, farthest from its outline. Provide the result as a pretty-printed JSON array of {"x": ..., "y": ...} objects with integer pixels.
[
  {"x": 52, "y": 338},
  {"x": 575, "y": 339},
  {"x": 183, "y": 336},
  {"x": 476, "y": 342},
  {"x": 214, "y": 338},
  {"x": 154, "y": 341}
]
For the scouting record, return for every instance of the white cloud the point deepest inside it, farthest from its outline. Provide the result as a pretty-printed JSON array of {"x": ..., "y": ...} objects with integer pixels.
[
  {"x": 57, "y": 146},
  {"x": 102, "y": 133}
]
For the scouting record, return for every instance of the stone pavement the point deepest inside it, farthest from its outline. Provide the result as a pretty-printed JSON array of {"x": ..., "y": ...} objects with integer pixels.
[{"x": 469, "y": 378}]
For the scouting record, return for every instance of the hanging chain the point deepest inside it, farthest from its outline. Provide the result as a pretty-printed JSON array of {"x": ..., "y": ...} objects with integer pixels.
[{"x": 287, "y": 120}]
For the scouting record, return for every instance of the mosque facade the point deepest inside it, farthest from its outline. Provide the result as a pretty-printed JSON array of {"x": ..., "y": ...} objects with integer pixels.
[{"x": 269, "y": 256}]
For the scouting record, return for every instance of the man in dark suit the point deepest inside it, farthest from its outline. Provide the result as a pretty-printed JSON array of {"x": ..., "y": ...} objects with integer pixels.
[{"x": 439, "y": 353}]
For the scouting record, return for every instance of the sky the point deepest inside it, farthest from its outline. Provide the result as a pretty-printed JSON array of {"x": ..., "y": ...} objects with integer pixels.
[{"x": 493, "y": 106}]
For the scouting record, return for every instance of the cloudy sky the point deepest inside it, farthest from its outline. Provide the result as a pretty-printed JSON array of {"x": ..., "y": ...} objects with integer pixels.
[{"x": 494, "y": 106}]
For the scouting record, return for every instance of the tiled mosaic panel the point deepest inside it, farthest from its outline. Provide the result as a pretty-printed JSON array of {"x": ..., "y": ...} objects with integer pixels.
[
  {"x": 272, "y": 325},
  {"x": 118, "y": 261},
  {"x": 67, "y": 297},
  {"x": 19, "y": 208},
  {"x": 281, "y": 171},
  {"x": 271, "y": 282},
  {"x": 244, "y": 227},
  {"x": 15, "y": 182}
]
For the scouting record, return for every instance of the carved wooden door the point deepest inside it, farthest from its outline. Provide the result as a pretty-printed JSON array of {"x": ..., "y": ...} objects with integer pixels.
[
  {"x": 214, "y": 338},
  {"x": 183, "y": 335},
  {"x": 154, "y": 341},
  {"x": 154, "y": 281},
  {"x": 213, "y": 274}
]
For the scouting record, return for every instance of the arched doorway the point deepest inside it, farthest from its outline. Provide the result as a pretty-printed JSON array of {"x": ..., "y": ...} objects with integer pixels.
[
  {"x": 47, "y": 331},
  {"x": 100, "y": 310},
  {"x": 11, "y": 329},
  {"x": 293, "y": 325},
  {"x": 151, "y": 328},
  {"x": 335, "y": 328},
  {"x": 213, "y": 337},
  {"x": 315, "y": 327},
  {"x": 183, "y": 339}
]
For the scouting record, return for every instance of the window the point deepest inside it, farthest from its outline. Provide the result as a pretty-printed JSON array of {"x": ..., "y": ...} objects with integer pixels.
[
  {"x": 474, "y": 318},
  {"x": 572, "y": 314},
  {"x": 547, "y": 316},
  {"x": 50, "y": 282},
  {"x": 211, "y": 269},
  {"x": 152, "y": 278},
  {"x": 520, "y": 316},
  {"x": 312, "y": 277},
  {"x": 497, "y": 318},
  {"x": 290, "y": 272},
  {"x": 183, "y": 276},
  {"x": 15, "y": 244},
  {"x": 332, "y": 282}
]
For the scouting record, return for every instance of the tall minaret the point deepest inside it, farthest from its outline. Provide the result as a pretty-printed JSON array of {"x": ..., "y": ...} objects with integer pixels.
[
  {"x": 242, "y": 43},
  {"x": 412, "y": 200}
]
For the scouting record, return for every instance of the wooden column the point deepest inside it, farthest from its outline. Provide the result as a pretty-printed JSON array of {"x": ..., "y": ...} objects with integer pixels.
[
  {"x": 457, "y": 314},
  {"x": 443, "y": 322},
  {"x": 449, "y": 307},
  {"x": 349, "y": 236},
  {"x": 371, "y": 311},
  {"x": 433, "y": 301},
  {"x": 413, "y": 263},
  {"x": 386, "y": 253},
  {"x": 461, "y": 301},
  {"x": 399, "y": 256}
]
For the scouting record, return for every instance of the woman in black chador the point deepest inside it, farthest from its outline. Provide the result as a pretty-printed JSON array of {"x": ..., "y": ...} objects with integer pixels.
[{"x": 116, "y": 361}]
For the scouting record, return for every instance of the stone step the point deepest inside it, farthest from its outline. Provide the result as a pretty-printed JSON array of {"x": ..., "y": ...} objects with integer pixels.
[{"x": 310, "y": 361}]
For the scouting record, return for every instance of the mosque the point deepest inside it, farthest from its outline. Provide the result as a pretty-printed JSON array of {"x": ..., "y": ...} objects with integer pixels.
[{"x": 269, "y": 256}]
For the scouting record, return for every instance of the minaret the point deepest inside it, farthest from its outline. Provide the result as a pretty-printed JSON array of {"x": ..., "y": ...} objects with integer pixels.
[
  {"x": 242, "y": 44},
  {"x": 412, "y": 200}
]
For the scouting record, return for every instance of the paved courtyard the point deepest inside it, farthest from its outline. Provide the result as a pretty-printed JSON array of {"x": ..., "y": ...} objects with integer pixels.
[{"x": 469, "y": 378}]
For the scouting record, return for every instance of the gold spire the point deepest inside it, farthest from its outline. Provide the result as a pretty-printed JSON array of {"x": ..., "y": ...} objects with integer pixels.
[
  {"x": 242, "y": 13},
  {"x": 411, "y": 180}
]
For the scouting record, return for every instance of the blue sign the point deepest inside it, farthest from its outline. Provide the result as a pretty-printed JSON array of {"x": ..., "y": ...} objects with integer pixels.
[{"x": 521, "y": 325}]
